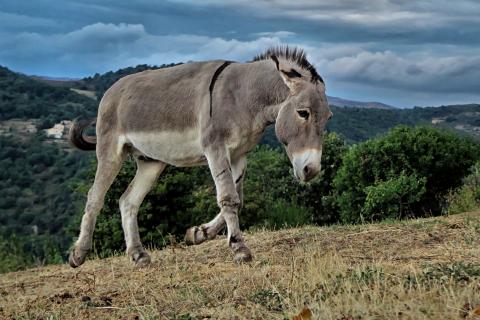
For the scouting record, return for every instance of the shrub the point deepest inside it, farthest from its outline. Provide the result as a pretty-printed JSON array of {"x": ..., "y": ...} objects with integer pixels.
[
  {"x": 18, "y": 253},
  {"x": 13, "y": 255},
  {"x": 467, "y": 197},
  {"x": 392, "y": 197},
  {"x": 407, "y": 172}
]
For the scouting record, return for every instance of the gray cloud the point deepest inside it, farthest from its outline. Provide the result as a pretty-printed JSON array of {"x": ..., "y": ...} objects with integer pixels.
[
  {"x": 13, "y": 21},
  {"x": 401, "y": 51},
  {"x": 418, "y": 72},
  {"x": 279, "y": 34},
  {"x": 441, "y": 21},
  {"x": 102, "y": 47}
]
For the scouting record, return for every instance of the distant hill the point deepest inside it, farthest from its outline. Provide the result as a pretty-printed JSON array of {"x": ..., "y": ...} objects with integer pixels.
[
  {"x": 360, "y": 124},
  {"x": 37, "y": 175},
  {"x": 340, "y": 102},
  {"x": 99, "y": 83},
  {"x": 24, "y": 97}
]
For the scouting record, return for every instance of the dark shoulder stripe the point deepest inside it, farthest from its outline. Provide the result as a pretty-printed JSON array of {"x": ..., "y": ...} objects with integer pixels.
[{"x": 214, "y": 79}]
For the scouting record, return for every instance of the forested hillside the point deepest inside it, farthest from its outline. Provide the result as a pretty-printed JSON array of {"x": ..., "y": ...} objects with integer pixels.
[
  {"x": 43, "y": 181},
  {"x": 357, "y": 124},
  {"x": 26, "y": 98},
  {"x": 101, "y": 82}
]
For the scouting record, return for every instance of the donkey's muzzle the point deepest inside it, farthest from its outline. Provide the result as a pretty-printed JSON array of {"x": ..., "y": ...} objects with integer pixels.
[{"x": 306, "y": 164}]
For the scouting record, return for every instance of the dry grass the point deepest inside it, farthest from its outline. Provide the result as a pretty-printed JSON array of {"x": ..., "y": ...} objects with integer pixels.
[{"x": 420, "y": 269}]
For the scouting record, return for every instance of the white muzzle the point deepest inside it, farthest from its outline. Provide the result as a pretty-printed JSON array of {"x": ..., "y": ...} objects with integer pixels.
[{"x": 306, "y": 164}]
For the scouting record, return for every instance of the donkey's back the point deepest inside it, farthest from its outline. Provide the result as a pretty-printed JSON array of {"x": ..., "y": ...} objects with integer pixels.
[
  {"x": 168, "y": 99},
  {"x": 155, "y": 114}
]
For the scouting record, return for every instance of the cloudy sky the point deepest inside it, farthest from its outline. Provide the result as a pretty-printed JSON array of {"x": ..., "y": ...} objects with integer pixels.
[{"x": 400, "y": 52}]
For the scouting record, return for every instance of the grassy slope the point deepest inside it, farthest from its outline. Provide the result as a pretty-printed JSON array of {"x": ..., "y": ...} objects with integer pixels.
[{"x": 420, "y": 269}]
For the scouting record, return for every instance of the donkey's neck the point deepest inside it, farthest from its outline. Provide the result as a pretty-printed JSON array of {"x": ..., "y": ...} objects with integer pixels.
[{"x": 267, "y": 91}]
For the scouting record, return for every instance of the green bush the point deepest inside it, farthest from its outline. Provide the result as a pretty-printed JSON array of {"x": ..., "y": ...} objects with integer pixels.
[
  {"x": 18, "y": 253},
  {"x": 13, "y": 255},
  {"x": 406, "y": 173},
  {"x": 467, "y": 197},
  {"x": 391, "y": 198}
]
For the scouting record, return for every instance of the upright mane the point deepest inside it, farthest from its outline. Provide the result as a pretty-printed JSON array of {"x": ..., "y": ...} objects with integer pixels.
[{"x": 295, "y": 55}]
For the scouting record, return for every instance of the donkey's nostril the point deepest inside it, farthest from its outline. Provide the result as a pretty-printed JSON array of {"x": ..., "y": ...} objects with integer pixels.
[
  {"x": 309, "y": 172},
  {"x": 306, "y": 170}
]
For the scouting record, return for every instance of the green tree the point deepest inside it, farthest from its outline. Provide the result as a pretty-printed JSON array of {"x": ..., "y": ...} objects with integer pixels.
[{"x": 407, "y": 172}]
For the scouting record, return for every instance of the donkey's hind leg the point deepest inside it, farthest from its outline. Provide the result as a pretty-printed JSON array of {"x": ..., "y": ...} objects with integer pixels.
[
  {"x": 147, "y": 173},
  {"x": 108, "y": 166},
  {"x": 208, "y": 231}
]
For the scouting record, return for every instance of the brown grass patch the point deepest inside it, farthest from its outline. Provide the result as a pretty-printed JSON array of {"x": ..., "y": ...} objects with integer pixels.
[{"x": 419, "y": 269}]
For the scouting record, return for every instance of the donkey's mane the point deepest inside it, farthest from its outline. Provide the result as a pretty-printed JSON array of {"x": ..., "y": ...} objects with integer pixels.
[{"x": 296, "y": 55}]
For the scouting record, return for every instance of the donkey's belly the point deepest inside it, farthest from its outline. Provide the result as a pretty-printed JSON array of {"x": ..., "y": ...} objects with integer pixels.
[{"x": 175, "y": 148}]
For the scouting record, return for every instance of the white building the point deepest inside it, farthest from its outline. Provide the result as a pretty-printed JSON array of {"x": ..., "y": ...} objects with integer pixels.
[{"x": 59, "y": 129}]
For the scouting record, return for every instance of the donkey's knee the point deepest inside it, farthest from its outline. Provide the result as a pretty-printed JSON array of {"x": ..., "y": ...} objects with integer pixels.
[
  {"x": 231, "y": 200},
  {"x": 127, "y": 207}
]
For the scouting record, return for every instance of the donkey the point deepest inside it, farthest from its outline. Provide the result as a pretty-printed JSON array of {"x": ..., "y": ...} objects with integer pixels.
[{"x": 203, "y": 113}]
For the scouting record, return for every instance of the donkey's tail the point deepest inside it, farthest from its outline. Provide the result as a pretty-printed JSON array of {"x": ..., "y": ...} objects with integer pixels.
[{"x": 78, "y": 139}]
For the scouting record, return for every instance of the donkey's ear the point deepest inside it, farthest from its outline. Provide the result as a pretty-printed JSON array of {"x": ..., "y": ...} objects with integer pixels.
[{"x": 290, "y": 76}]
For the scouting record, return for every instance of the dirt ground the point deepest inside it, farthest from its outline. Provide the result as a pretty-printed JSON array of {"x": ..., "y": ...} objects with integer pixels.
[{"x": 418, "y": 269}]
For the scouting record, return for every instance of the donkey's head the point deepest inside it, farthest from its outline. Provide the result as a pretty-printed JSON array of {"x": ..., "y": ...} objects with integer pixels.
[{"x": 302, "y": 117}]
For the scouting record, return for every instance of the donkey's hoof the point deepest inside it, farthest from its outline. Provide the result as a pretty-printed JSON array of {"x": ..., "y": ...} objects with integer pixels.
[
  {"x": 243, "y": 255},
  {"x": 142, "y": 260},
  {"x": 194, "y": 236},
  {"x": 77, "y": 258}
]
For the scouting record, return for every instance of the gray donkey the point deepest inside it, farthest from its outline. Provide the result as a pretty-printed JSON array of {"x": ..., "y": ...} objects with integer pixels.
[{"x": 204, "y": 113}]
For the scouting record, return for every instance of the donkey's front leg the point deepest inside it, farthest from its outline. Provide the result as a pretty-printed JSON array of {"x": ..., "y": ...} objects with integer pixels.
[
  {"x": 228, "y": 200},
  {"x": 208, "y": 231}
]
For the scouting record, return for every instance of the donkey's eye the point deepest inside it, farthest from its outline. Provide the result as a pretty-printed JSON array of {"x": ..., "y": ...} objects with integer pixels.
[{"x": 304, "y": 114}]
